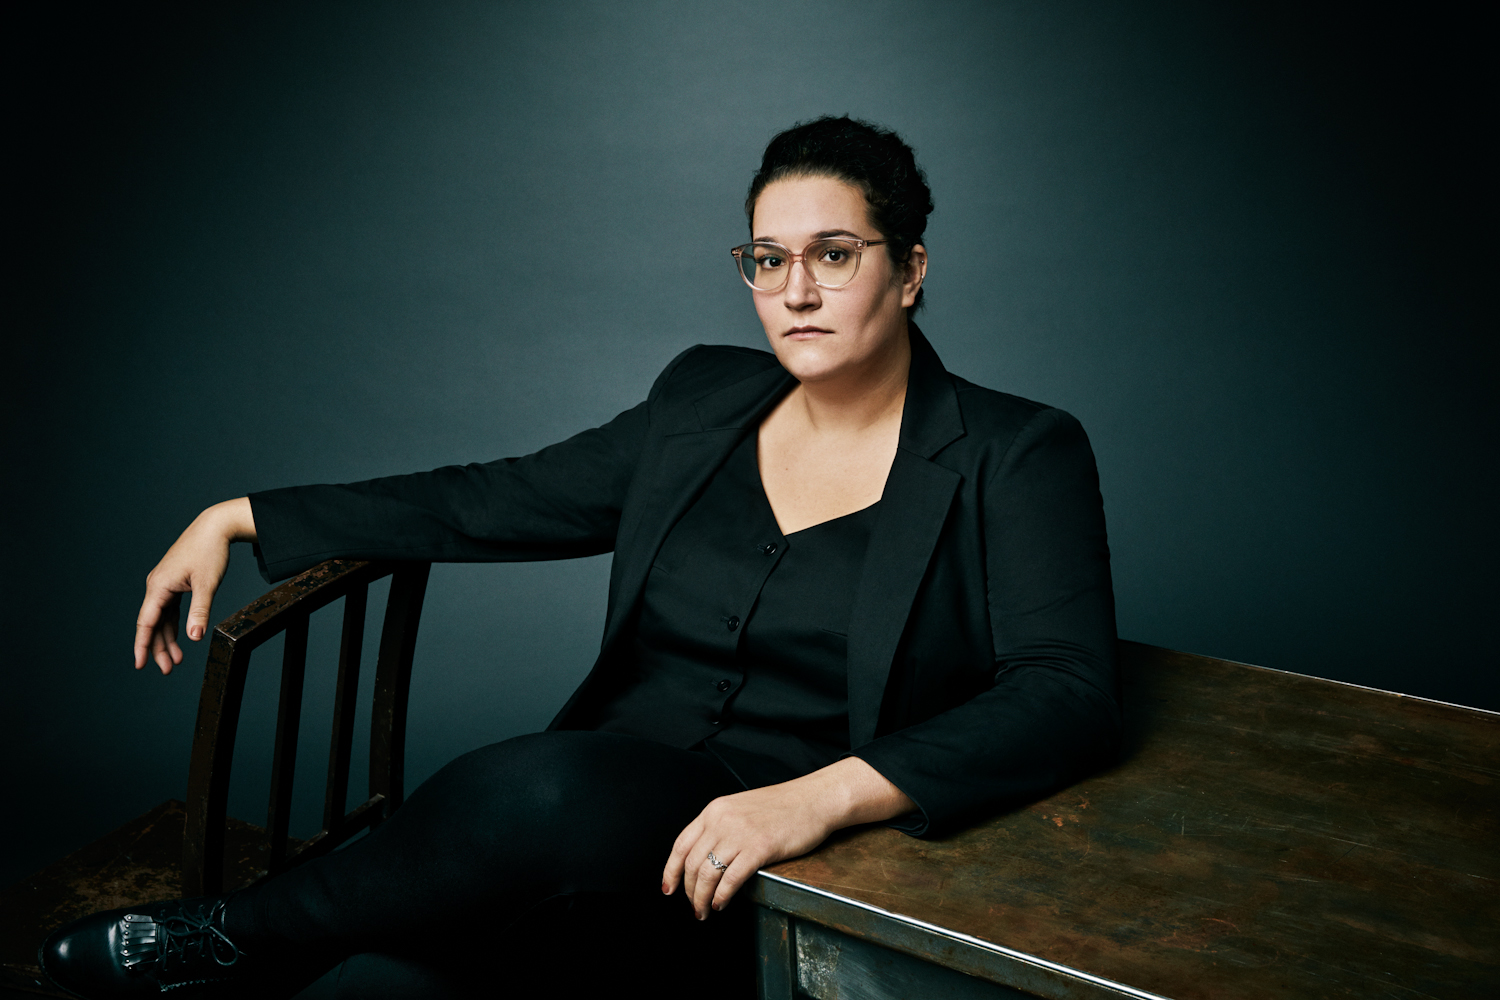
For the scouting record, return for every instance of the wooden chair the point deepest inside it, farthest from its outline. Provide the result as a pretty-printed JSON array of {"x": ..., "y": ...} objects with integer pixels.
[
  {"x": 287, "y": 609},
  {"x": 195, "y": 848}
]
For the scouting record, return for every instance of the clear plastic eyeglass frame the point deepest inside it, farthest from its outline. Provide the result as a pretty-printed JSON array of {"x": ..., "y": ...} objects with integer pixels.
[{"x": 746, "y": 263}]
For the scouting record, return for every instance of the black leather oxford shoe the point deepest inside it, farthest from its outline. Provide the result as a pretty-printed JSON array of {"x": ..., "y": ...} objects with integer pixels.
[{"x": 178, "y": 948}]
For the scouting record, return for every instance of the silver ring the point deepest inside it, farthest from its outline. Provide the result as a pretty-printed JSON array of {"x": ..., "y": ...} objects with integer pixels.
[{"x": 716, "y": 862}]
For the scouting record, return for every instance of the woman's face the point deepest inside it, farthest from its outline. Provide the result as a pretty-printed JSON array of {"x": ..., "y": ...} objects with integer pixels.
[{"x": 821, "y": 333}]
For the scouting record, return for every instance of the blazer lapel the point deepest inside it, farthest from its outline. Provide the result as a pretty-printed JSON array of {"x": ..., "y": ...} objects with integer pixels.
[
  {"x": 687, "y": 458},
  {"x": 918, "y": 495}
]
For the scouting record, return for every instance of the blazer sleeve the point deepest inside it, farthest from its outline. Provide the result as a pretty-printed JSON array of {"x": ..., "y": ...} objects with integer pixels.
[
  {"x": 1052, "y": 712},
  {"x": 558, "y": 503}
]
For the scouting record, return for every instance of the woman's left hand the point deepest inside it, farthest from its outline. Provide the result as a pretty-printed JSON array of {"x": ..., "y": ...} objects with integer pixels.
[{"x": 752, "y": 829}]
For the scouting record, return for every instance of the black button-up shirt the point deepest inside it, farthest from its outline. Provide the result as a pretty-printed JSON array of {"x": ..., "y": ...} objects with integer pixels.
[{"x": 740, "y": 644}]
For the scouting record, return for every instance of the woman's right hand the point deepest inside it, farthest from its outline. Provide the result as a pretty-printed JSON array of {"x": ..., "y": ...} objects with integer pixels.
[{"x": 194, "y": 564}]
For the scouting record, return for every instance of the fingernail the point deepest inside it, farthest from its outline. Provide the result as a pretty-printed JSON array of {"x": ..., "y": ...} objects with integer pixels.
[
  {"x": 665, "y": 891},
  {"x": 718, "y": 906},
  {"x": 196, "y": 633}
]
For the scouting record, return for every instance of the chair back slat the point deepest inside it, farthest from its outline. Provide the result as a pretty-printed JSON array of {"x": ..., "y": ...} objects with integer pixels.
[
  {"x": 208, "y": 771},
  {"x": 286, "y": 609},
  {"x": 288, "y": 726},
  {"x": 341, "y": 742},
  {"x": 398, "y": 642}
]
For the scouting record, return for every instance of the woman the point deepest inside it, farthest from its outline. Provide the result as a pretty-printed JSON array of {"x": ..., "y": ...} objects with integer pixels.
[{"x": 848, "y": 587}]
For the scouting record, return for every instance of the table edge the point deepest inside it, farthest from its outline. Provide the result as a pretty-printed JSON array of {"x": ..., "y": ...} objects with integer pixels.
[
  {"x": 1315, "y": 677},
  {"x": 1051, "y": 970}
]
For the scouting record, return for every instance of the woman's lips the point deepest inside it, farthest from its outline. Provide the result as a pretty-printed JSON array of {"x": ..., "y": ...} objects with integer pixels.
[{"x": 806, "y": 332}]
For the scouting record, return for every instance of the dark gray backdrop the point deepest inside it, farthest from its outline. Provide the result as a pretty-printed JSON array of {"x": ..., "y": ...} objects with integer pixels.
[{"x": 291, "y": 244}]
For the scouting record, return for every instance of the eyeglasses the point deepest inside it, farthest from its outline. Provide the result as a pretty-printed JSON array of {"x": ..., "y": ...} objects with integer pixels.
[{"x": 831, "y": 263}]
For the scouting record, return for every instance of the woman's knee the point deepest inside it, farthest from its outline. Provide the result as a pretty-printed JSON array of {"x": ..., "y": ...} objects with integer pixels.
[
  {"x": 537, "y": 785},
  {"x": 535, "y": 771}
]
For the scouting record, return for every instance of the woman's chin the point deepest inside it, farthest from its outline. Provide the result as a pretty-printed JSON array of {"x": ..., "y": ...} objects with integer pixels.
[
  {"x": 811, "y": 360},
  {"x": 813, "y": 373}
]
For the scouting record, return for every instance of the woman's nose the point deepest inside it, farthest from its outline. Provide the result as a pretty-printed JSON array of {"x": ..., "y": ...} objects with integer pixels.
[{"x": 801, "y": 291}]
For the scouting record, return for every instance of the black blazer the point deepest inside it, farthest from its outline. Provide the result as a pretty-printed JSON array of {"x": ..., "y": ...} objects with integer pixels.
[{"x": 981, "y": 642}]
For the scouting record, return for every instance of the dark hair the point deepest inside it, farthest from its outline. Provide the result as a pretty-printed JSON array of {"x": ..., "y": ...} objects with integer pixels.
[{"x": 871, "y": 158}]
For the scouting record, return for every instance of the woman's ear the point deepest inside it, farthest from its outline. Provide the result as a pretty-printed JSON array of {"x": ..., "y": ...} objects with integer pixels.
[{"x": 914, "y": 272}]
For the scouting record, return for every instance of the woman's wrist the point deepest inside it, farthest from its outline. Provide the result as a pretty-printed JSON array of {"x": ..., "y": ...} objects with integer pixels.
[
  {"x": 849, "y": 792},
  {"x": 233, "y": 520}
]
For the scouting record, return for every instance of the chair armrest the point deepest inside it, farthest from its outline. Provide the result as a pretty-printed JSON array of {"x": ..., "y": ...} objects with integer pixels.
[{"x": 267, "y": 615}]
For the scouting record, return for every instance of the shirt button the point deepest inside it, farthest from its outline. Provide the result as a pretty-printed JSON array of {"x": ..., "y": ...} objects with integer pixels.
[
  {"x": 733, "y": 622},
  {"x": 723, "y": 685},
  {"x": 769, "y": 548},
  {"x": 715, "y": 722}
]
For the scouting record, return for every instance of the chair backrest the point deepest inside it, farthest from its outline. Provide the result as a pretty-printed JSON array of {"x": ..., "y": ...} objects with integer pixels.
[{"x": 286, "y": 609}]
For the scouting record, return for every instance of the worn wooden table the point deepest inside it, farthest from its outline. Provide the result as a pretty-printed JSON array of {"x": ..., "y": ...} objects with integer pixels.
[{"x": 1267, "y": 835}]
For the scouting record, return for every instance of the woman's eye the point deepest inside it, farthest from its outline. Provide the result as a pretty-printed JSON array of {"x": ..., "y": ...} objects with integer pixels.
[
  {"x": 770, "y": 262},
  {"x": 833, "y": 255}
]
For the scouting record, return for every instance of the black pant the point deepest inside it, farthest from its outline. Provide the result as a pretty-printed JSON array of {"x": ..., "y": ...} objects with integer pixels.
[{"x": 509, "y": 834}]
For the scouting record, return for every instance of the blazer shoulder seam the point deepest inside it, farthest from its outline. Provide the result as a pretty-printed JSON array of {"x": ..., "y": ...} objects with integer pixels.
[
  {"x": 1041, "y": 421},
  {"x": 713, "y": 367}
]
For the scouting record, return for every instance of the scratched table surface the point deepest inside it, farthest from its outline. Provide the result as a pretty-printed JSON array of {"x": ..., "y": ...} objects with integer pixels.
[{"x": 1266, "y": 835}]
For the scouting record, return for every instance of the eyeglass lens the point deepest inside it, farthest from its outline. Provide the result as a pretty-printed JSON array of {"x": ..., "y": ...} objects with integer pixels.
[{"x": 829, "y": 262}]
